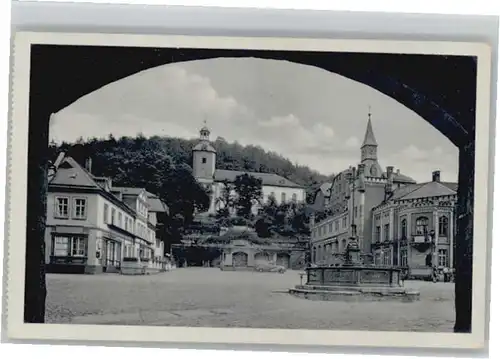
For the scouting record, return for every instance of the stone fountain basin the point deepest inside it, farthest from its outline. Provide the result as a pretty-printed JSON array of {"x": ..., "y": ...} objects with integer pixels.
[
  {"x": 354, "y": 282},
  {"x": 351, "y": 293}
]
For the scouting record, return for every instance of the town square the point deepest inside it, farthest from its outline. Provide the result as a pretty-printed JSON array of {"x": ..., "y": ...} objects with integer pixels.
[
  {"x": 209, "y": 193},
  {"x": 209, "y": 297}
]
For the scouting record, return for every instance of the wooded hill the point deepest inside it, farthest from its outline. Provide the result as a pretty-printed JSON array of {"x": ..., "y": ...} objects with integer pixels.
[{"x": 122, "y": 159}]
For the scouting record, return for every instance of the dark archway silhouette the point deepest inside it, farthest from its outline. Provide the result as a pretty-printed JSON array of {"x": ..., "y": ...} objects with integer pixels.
[{"x": 441, "y": 89}]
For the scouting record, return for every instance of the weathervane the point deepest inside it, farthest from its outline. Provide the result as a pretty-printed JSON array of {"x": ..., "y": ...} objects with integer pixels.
[{"x": 369, "y": 111}]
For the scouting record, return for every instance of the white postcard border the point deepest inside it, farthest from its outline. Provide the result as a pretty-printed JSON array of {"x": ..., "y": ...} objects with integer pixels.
[{"x": 17, "y": 199}]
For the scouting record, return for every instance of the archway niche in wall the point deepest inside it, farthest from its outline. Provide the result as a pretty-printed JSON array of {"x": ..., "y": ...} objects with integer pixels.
[{"x": 440, "y": 89}]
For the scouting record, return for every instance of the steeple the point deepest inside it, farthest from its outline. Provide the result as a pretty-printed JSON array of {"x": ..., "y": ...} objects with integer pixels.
[
  {"x": 369, "y": 148},
  {"x": 369, "y": 136},
  {"x": 205, "y": 132}
]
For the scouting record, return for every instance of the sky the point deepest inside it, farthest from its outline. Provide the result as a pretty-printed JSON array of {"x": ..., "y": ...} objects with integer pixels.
[{"x": 311, "y": 116}]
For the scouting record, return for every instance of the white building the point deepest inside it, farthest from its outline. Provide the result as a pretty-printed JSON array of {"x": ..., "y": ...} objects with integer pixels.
[
  {"x": 205, "y": 171},
  {"x": 93, "y": 227}
]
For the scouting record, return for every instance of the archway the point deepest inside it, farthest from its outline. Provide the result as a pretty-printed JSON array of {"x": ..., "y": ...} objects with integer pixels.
[
  {"x": 445, "y": 97},
  {"x": 283, "y": 259},
  {"x": 240, "y": 259}
]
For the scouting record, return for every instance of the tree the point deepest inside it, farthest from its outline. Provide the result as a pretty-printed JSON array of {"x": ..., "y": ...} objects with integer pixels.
[
  {"x": 248, "y": 192},
  {"x": 226, "y": 201}
]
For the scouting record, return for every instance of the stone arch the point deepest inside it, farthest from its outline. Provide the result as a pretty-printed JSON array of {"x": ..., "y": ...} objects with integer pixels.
[
  {"x": 444, "y": 97},
  {"x": 240, "y": 259},
  {"x": 283, "y": 259}
]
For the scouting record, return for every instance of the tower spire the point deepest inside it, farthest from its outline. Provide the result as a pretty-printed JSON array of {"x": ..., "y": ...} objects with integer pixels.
[
  {"x": 204, "y": 132},
  {"x": 369, "y": 135}
]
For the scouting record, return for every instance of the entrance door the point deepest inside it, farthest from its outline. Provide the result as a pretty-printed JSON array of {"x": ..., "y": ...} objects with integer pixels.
[
  {"x": 283, "y": 259},
  {"x": 240, "y": 259}
]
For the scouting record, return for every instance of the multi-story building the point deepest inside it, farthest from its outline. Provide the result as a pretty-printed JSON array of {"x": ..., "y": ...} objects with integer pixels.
[
  {"x": 204, "y": 159},
  {"x": 353, "y": 194},
  {"x": 93, "y": 227},
  {"x": 415, "y": 226}
]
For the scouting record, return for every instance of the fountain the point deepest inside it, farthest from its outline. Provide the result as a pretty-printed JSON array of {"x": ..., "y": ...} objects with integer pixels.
[{"x": 353, "y": 280}]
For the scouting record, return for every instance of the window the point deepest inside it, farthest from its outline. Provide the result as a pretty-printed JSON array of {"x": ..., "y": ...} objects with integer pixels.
[
  {"x": 422, "y": 224},
  {"x": 355, "y": 212},
  {"x": 126, "y": 223},
  {"x": 443, "y": 258},
  {"x": 403, "y": 228},
  {"x": 404, "y": 258},
  {"x": 330, "y": 227},
  {"x": 373, "y": 170},
  {"x": 386, "y": 232},
  {"x": 377, "y": 234},
  {"x": 204, "y": 160},
  {"x": 443, "y": 226},
  {"x": 80, "y": 208},
  {"x": 61, "y": 246},
  {"x": 78, "y": 247},
  {"x": 120, "y": 223},
  {"x": 283, "y": 197},
  {"x": 344, "y": 222},
  {"x": 113, "y": 214},
  {"x": 62, "y": 207},
  {"x": 337, "y": 225},
  {"x": 294, "y": 197},
  {"x": 69, "y": 246},
  {"x": 387, "y": 258},
  {"x": 105, "y": 214}
]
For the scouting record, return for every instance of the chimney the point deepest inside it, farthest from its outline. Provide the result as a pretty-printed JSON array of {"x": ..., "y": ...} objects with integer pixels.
[
  {"x": 436, "y": 176},
  {"x": 88, "y": 165}
]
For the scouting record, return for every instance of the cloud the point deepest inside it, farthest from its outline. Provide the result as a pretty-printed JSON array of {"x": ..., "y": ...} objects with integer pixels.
[
  {"x": 352, "y": 142},
  {"x": 317, "y": 122},
  {"x": 419, "y": 163}
]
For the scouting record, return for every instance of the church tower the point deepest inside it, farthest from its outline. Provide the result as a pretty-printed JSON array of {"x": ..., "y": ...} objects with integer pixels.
[
  {"x": 204, "y": 157},
  {"x": 369, "y": 151}
]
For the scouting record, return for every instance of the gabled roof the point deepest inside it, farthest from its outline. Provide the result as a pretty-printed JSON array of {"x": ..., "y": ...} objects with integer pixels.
[
  {"x": 423, "y": 190},
  {"x": 326, "y": 188},
  {"x": 70, "y": 173},
  {"x": 156, "y": 204},
  {"x": 268, "y": 179},
  {"x": 451, "y": 185},
  {"x": 369, "y": 135}
]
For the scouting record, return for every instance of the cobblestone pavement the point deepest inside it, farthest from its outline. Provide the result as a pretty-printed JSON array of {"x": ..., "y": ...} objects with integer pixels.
[{"x": 209, "y": 297}]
